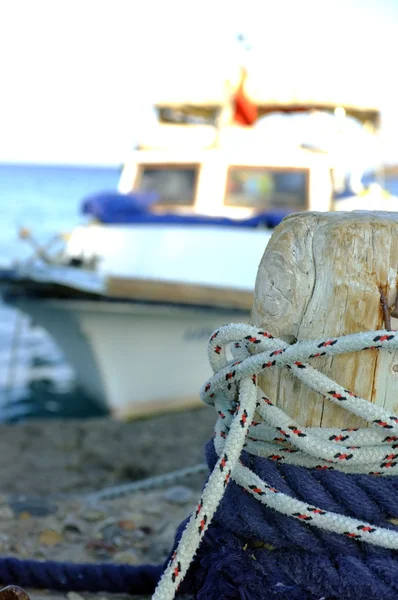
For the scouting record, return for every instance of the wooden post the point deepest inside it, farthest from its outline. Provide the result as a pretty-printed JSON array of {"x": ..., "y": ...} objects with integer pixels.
[{"x": 320, "y": 276}]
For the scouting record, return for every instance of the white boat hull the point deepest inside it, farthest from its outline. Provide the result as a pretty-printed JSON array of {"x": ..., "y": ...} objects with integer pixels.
[
  {"x": 135, "y": 358},
  {"x": 225, "y": 257}
]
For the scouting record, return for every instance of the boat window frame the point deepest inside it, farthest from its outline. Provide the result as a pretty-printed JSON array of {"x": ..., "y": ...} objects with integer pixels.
[
  {"x": 307, "y": 171},
  {"x": 194, "y": 165}
]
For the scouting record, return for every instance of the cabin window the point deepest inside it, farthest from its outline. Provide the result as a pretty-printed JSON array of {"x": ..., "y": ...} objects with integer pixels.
[
  {"x": 189, "y": 115},
  {"x": 175, "y": 185},
  {"x": 266, "y": 188}
]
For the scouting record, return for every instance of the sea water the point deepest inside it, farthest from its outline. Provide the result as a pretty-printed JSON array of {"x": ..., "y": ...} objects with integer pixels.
[{"x": 35, "y": 379}]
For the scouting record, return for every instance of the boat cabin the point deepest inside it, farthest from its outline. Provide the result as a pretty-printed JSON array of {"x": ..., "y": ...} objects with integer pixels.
[
  {"x": 237, "y": 179},
  {"x": 201, "y": 158}
]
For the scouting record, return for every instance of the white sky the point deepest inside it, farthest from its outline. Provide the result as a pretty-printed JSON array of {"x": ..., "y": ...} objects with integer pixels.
[{"x": 77, "y": 76}]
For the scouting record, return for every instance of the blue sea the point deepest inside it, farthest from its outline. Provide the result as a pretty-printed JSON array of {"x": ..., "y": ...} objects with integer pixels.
[{"x": 35, "y": 379}]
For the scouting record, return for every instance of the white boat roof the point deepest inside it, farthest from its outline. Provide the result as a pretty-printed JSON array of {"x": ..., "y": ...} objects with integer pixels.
[
  {"x": 202, "y": 88},
  {"x": 246, "y": 154},
  {"x": 167, "y": 143}
]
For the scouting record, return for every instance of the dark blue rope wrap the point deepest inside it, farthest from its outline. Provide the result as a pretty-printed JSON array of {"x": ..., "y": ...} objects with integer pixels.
[{"x": 250, "y": 552}]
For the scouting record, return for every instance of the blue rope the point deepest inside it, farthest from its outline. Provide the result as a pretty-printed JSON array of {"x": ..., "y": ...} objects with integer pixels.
[
  {"x": 225, "y": 569},
  {"x": 80, "y": 577},
  {"x": 251, "y": 552}
]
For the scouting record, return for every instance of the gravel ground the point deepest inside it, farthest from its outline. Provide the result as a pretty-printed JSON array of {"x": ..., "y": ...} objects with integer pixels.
[{"x": 47, "y": 468}]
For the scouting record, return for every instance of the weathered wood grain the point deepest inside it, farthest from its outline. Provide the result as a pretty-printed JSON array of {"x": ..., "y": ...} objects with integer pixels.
[{"x": 320, "y": 276}]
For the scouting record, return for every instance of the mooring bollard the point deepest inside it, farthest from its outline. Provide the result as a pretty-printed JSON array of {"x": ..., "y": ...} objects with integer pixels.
[{"x": 325, "y": 274}]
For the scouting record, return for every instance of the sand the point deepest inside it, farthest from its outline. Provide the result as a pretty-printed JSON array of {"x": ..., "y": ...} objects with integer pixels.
[{"x": 48, "y": 469}]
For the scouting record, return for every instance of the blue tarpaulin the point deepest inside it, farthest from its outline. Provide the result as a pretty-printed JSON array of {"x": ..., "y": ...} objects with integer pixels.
[{"x": 114, "y": 208}]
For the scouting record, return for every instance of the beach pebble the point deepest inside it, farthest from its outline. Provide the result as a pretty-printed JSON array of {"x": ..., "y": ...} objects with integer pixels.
[
  {"x": 127, "y": 525},
  {"x": 127, "y": 558},
  {"x": 93, "y": 514},
  {"x": 100, "y": 549},
  {"x": 38, "y": 507},
  {"x": 160, "y": 525},
  {"x": 178, "y": 494},
  {"x": 71, "y": 523},
  {"x": 6, "y": 512},
  {"x": 136, "y": 517},
  {"x": 152, "y": 510},
  {"x": 49, "y": 537},
  {"x": 20, "y": 548},
  {"x": 112, "y": 534},
  {"x": 74, "y": 596},
  {"x": 162, "y": 544}
]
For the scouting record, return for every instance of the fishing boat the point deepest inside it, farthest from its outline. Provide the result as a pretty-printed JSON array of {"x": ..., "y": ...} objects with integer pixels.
[{"x": 159, "y": 264}]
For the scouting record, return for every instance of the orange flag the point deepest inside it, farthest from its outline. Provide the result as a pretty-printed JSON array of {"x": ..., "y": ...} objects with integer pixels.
[{"x": 245, "y": 110}]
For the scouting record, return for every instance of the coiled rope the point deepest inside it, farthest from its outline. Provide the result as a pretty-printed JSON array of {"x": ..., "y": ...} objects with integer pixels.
[{"x": 233, "y": 391}]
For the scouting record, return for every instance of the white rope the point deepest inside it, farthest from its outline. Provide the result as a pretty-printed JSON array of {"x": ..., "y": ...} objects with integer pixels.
[
  {"x": 234, "y": 393},
  {"x": 149, "y": 483}
]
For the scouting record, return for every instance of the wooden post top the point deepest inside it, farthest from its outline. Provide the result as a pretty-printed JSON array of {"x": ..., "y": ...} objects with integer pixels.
[{"x": 321, "y": 275}]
